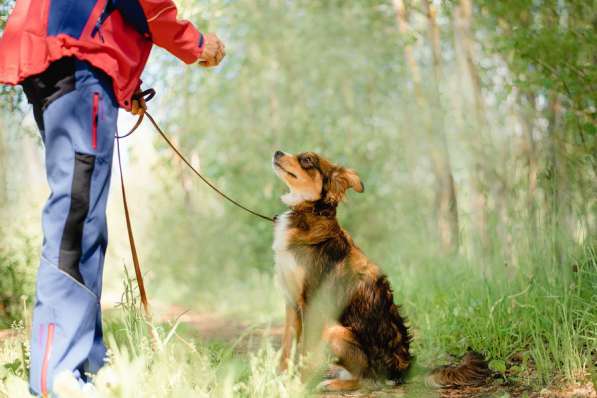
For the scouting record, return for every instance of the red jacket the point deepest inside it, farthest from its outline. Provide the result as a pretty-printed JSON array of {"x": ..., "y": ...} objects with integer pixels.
[{"x": 115, "y": 36}]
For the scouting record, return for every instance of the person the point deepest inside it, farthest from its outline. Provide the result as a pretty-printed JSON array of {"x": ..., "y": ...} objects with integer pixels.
[{"x": 79, "y": 61}]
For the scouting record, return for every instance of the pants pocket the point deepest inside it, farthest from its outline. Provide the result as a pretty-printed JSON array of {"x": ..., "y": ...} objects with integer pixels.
[{"x": 95, "y": 119}]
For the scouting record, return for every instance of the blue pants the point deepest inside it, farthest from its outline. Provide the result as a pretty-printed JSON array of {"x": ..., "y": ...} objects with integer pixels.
[{"x": 77, "y": 124}]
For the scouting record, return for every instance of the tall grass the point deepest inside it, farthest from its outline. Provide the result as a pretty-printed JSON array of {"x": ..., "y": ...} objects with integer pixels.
[
  {"x": 536, "y": 325},
  {"x": 178, "y": 367},
  {"x": 17, "y": 273},
  {"x": 538, "y": 322}
]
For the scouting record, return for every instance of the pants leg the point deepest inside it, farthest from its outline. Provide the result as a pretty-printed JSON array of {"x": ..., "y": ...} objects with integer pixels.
[{"x": 79, "y": 132}]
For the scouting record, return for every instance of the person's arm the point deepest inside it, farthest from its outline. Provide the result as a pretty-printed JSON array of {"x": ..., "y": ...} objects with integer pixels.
[
  {"x": 179, "y": 37},
  {"x": 158, "y": 18}
]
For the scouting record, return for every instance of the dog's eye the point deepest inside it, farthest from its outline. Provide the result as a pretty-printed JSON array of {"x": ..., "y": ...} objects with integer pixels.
[{"x": 306, "y": 162}]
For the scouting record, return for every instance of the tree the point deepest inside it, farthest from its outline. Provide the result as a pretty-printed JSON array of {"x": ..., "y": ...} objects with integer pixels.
[
  {"x": 446, "y": 204},
  {"x": 549, "y": 49}
]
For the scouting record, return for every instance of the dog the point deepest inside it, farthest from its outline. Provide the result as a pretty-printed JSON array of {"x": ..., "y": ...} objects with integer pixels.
[{"x": 315, "y": 258}]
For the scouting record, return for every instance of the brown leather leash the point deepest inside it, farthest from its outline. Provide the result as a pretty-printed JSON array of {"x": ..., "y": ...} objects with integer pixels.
[
  {"x": 136, "y": 263},
  {"x": 198, "y": 174},
  {"x": 147, "y": 95}
]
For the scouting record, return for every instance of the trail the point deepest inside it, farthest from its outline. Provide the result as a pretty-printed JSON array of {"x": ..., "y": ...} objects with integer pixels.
[{"x": 212, "y": 326}]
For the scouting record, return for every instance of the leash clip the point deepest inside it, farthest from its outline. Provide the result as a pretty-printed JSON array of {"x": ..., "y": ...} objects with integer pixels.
[{"x": 146, "y": 95}]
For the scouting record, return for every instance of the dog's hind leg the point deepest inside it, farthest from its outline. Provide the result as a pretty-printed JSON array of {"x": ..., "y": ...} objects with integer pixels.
[
  {"x": 350, "y": 357},
  {"x": 292, "y": 333}
]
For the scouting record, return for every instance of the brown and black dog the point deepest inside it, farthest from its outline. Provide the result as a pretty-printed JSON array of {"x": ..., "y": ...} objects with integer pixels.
[{"x": 366, "y": 332}]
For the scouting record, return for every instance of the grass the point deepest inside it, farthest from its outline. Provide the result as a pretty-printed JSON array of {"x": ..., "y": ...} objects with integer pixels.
[
  {"x": 539, "y": 323},
  {"x": 178, "y": 367},
  {"x": 536, "y": 324}
]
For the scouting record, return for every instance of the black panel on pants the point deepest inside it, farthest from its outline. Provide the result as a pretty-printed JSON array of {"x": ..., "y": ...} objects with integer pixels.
[{"x": 70, "y": 247}]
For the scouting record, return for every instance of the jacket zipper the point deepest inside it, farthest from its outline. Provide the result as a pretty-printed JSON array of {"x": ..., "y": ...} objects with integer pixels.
[
  {"x": 47, "y": 354},
  {"x": 94, "y": 120},
  {"x": 97, "y": 29}
]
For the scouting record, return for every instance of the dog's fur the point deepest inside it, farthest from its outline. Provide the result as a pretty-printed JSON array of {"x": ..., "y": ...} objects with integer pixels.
[{"x": 316, "y": 258}]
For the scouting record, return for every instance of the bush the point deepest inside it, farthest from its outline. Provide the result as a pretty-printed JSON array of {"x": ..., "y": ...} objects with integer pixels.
[{"x": 17, "y": 275}]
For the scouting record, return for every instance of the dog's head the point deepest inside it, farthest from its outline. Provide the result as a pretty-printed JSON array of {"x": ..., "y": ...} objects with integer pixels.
[{"x": 312, "y": 178}]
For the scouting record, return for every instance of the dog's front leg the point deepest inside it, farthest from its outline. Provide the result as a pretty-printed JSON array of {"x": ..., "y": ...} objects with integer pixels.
[{"x": 293, "y": 329}]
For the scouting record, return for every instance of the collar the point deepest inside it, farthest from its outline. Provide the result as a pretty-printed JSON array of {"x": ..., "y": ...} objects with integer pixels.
[{"x": 318, "y": 208}]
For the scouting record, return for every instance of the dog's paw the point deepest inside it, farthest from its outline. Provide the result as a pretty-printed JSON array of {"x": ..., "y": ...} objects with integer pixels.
[
  {"x": 336, "y": 385},
  {"x": 324, "y": 386}
]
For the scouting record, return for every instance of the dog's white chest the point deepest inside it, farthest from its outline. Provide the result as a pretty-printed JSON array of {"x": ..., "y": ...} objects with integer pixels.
[{"x": 289, "y": 274}]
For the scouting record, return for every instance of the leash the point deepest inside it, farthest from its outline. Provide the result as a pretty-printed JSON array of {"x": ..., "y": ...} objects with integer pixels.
[
  {"x": 136, "y": 263},
  {"x": 198, "y": 174},
  {"x": 147, "y": 95}
]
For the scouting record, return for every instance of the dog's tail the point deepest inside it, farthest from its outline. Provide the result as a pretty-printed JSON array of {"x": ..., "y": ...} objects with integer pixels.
[{"x": 471, "y": 371}]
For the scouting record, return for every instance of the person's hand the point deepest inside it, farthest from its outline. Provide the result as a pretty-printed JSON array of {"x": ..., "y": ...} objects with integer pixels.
[
  {"x": 139, "y": 106},
  {"x": 213, "y": 51}
]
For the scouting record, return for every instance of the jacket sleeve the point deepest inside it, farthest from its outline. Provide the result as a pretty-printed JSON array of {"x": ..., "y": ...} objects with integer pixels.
[{"x": 179, "y": 37}]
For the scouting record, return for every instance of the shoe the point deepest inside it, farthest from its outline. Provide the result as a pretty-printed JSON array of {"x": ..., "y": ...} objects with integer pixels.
[{"x": 66, "y": 385}]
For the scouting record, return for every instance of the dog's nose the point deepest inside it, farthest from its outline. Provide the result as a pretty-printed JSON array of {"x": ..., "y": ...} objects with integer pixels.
[{"x": 278, "y": 154}]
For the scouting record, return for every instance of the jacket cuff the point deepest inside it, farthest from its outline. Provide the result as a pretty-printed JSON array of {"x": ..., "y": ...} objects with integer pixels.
[{"x": 201, "y": 44}]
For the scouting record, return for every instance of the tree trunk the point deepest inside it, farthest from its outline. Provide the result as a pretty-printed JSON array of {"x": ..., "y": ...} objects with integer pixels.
[
  {"x": 445, "y": 191},
  {"x": 463, "y": 17},
  {"x": 554, "y": 188},
  {"x": 530, "y": 154},
  {"x": 403, "y": 26},
  {"x": 449, "y": 225},
  {"x": 464, "y": 40}
]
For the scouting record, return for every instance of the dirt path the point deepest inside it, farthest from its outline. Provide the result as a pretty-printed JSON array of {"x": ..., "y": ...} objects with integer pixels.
[
  {"x": 6, "y": 334},
  {"x": 215, "y": 327}
]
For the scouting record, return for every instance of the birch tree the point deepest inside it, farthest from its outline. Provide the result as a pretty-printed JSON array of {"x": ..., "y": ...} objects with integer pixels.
[
  {"x": 446, "y": 205},
  {"x": 476, "y": 132}
]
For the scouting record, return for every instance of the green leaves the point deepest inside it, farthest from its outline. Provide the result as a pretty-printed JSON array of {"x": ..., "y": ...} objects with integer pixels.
[
  {"x": 549, "y": 47},
  {"x": 498, "y": 365}
]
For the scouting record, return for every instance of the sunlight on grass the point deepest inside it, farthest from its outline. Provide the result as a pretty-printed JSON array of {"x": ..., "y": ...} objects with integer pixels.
[{"x": 533, "y": 324}]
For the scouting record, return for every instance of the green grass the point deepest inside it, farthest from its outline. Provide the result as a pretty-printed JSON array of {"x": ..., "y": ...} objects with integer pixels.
[
  {"x": 536, "y": 324},
  {"x": 539, "y": 321},
  {"x": 179, "y": 367},
  {"x": 17, "y": 272}
]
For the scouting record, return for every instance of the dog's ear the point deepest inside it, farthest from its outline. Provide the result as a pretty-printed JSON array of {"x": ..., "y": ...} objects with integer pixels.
[
  {"x": 354, "y": 180},
  {"x": 339, "y": 181}
]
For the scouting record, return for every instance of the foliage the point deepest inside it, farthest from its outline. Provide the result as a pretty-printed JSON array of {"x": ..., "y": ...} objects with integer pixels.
[
  {"x": 550, "y": 47},
  {"x": 331, "y": 76},
  {"x": 17, "y": 270}
]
